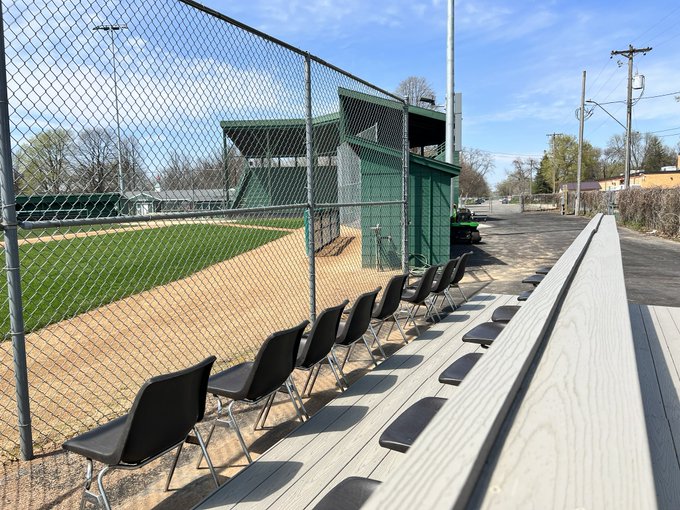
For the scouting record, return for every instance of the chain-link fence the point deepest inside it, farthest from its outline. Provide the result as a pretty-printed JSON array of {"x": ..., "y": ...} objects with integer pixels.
[{"x": 173, "y": 172}]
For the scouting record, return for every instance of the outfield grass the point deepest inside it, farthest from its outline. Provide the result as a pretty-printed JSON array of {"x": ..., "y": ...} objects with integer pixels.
[
  {"x": 61, "y": 279},
  {"x": 290, "y": 223}
]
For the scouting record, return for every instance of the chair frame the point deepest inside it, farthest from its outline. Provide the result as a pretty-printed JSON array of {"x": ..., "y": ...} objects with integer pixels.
[
  {"x": 381, "y": 322},
  {"x": 411, "y": 313},
  {"x": 230, "y": 420},
  {"x": 102, "y": 499}
]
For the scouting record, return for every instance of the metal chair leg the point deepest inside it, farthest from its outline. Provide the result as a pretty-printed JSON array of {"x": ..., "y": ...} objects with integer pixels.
[
  {"x": 299, "y": 397},
  {"x": 368, "y": 348},
  {"x": 102, "y": 493},
  {"x": 349, "y": 353},
  {"x": 403, "y": 335},
  {"x": 331, "y": 364},
  {"x": 309, "y": 378},
  {"x": 461, "y": 293},
  {"x": 87, "y": 493},
  {"x": 238, "y": 432},
  {"x": 449, "y": 299},
  {"x": 339, "y": 367},
  {"x": 264, "y": 413},
  {"x": 412, "y": 317},
  {"x": 293, "y": 401},
  {"x": 173, "y": 466},
  {"x": 204, "y": 449},
  {"x": 380, "y": 347}
]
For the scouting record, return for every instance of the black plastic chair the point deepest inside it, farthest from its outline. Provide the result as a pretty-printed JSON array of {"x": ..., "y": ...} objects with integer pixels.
[
  {"x": 388, "y": 306},
  {"x": 418, "y": 293},
  {"x": 315, "y": 346},
  {"x": 350, "y": 494},
  {"x": 484, "y": 334},
  {"x": 460, "y": 272},
  {"x": 162, "y": 417},
  {"x": 441, "y": 283},
  {"x": 354, "y": 327},
  {"x": 254, "y": 381}
]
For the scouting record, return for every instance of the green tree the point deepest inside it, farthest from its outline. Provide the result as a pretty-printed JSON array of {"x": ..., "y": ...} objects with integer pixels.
[
  {"x": 541, "y": 184},
  {"x": 656, "y": 154},
  {"x": 42, "y": 163}
]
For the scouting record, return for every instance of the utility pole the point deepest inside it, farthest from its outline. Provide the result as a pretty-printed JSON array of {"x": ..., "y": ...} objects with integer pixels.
[
  {"x": 582, "y": 118},
  {"x": 629, "y": 54},
  {"x": 450, "y": 94},
  {"x": 553, "y": 163}
]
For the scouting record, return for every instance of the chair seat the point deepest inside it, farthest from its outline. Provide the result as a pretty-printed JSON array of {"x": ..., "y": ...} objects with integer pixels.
[
  {"x": 350, "y": 494},
  {"x": 543, "y": 270},
  {"x": 403, "y": 431},
  {"x": 534, "y": 279},
  {"x": 504, "y": 313},
  {"x": 524, "y": 295},
  {"x": 231, "y": 382},
  {"x": 408, "y": 293},
  {"x": 100, "y": 443},
  {"x": 485, "y": 333},
  {"x": 456, "y": 371}
]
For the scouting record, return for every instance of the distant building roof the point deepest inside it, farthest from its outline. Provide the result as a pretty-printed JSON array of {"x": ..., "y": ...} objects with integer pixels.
[
  {"x": 585, "y": 186},
  {"x": 179, "y": 194}
]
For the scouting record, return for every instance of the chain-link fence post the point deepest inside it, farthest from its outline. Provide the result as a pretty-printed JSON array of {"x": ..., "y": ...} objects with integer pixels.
[
  {"x": 9, "y": 226},
  {"x": 404, "y": 208},
  {"x": 310, "y": 187}
]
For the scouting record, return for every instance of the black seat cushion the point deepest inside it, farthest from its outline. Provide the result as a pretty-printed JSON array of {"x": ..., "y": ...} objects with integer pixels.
[
  {"x": 350, "y": 494},
  {"x": 534, "y": 279},
  {"x": 301, "y": 352},
  {"x": 403, "y": 431},
  {"x": 456, "y": 371},
  {"x": 543, "y": 270},
  {"x": 408, "y": 293},
  {"x": 484, "y": 333},
  {"x": 100, "y": 443},
  {"x": 231, "y": 382},
  {"x": 504, "y": 313},
  {"x": 524, "y": 295}
]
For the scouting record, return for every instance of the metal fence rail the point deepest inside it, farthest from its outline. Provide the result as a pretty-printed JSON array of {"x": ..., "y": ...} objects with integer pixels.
[{"x": 159, "y": 161}]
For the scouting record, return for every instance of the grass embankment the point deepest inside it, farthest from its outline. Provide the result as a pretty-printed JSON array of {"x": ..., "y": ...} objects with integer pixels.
[{"x": 61, "y": 279}]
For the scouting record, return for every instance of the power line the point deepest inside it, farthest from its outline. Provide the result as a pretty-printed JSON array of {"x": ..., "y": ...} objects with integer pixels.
[{"x": 645, "y": 97}]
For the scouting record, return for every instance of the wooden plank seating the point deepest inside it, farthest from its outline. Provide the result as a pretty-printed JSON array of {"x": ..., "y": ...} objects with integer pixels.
[{"x": 552, "y": 416}]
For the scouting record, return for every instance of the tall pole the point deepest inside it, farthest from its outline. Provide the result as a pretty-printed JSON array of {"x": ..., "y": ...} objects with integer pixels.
[
  {"x": 405, "y": 169},
  {"x": 310, "y": 187},
  {"x": 582, "y": 118},
  {"x": 629, "y": 54},
  {"x": 450, "y": 94},
  {"x": 553, "y": 162},
  {"x": 9, "y": 227},
  {"x": 111, "y": 29}
]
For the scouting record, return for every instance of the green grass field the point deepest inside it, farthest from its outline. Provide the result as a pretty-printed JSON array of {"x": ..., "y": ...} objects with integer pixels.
[
  {"x": 290, "y": 223},
  {"x": 61, "y": 279}
]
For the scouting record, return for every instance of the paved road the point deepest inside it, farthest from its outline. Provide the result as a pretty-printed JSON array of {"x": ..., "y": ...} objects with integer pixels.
[{"x": 515, "y": 244}]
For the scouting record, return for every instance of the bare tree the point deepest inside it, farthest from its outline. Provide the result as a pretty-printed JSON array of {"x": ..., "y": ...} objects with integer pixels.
[
  {"x": 475, "y": 165},
  {"x": 134, "y": 176},
  {"x": 417, "y": 87},
  {"x": 95, "y": 161}
]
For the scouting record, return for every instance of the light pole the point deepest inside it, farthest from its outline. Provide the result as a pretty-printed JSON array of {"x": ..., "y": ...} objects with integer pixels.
[{"x": 112, "y": 29}]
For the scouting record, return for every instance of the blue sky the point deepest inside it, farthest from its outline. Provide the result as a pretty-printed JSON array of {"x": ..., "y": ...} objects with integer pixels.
[{"x": 518, "y": 64}]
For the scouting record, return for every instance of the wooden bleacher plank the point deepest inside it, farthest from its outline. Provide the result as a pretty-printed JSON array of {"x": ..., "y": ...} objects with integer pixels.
[
  {"x": 651, "y": 373},
  {"x": 429, "y": 477},
  {"x": 579, "y": 436},
  {"x": 279, "y": 468}
]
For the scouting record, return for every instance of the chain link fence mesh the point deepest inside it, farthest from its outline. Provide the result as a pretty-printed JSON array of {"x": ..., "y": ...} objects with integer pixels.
[{"x": 160, "y": 170}]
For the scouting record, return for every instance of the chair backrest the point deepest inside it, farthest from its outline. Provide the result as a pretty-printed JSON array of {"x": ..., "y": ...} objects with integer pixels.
[
  {"x": 165, "y": 410},
  {"x": 274, "y": 362},
  {"x": 358, "y": 319},
  {"x": 391, "y": 297},
  {"x": 441, "y": 284},
  {"x": 460, "y": 268},
  {"x": 424, "y": 285},
  {"x": 321, "y": 337}
]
